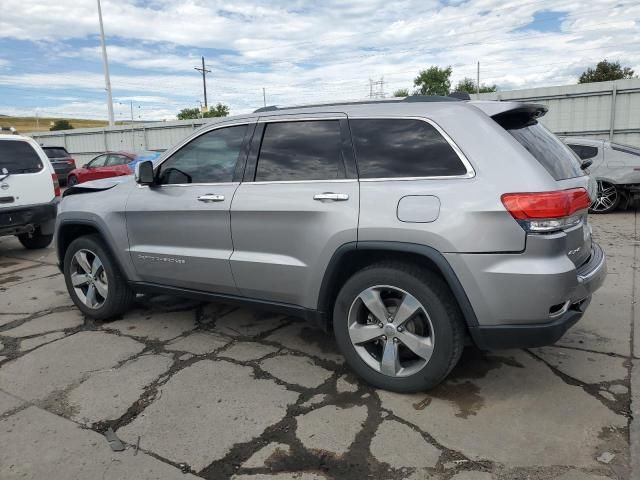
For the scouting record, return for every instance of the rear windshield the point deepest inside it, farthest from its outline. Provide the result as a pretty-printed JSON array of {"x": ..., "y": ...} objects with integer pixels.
[
  {"x": 19, "y": 157},
  {"x": 55, "y": 152},
  {"x": 545, "y": 147}
]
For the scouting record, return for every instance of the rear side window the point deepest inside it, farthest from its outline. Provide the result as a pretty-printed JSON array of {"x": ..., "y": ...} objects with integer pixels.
[
  {"x": 584, "y": 151},
  {"x": 309, "y": 150},
  {"x": 19, "y": 157},
  {"x": 397, "y": 148},
  {"x": 55, "y": 152},
  {"x": 548, "y": 150}
]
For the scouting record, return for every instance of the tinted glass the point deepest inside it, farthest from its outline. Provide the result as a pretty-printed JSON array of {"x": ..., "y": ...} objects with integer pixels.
[
  {"x": 301, "y": 151},
  {"x": 584, "y": 151},
  {"x": 210, "y": 158},
  {"x": 55, "y": 152},
  {"x": 396, "y": 148},
  {"x": 98, "y": 161},
  {"x": 19, "y": 157},
  {"x": 552, "y": 154}
]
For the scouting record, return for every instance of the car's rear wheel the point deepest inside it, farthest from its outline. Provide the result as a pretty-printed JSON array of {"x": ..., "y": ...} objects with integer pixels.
[
  {"x": 399, "y": 327},
  {"x": 94, "y": 281},
  {"x": 72, "y": 180},
  {"x": 35, "y": 240},
  {"x": 607, "y": 200}
]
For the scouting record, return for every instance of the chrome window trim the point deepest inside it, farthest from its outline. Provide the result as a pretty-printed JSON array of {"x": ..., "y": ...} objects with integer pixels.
[
  {"x": 337, "y": 180},
  {"x": 463, "y": 158}
]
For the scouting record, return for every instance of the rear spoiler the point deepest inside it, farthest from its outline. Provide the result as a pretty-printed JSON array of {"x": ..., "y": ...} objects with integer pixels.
[{"x": 512, "y": 115}]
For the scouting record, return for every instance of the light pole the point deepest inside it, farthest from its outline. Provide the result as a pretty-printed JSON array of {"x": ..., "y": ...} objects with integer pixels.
[{"x": 105, "y": 61}]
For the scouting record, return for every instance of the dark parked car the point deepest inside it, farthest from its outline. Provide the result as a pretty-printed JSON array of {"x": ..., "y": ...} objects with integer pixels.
[{"x": 61, "y": 162}]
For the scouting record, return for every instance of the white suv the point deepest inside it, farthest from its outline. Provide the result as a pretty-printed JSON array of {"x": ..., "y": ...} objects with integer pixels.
[{"x": 29, "y": 192}]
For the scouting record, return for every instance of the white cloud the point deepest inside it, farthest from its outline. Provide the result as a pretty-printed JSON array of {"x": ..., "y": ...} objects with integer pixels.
[{"x": 304, "y": 51}]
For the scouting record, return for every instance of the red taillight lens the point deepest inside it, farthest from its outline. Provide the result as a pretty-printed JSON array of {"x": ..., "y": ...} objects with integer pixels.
[
  {"x": 71, "y": 162},
  {"x": 546, "y": 205},
  {"x": 56, "y": 185}
]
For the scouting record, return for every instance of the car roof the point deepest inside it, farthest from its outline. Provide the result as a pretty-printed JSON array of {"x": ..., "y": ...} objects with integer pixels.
[{"x": 10, "y": 136}]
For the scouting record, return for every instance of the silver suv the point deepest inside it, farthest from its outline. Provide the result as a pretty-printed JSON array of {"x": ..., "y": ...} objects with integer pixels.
[{"x": 405, "y": 227}]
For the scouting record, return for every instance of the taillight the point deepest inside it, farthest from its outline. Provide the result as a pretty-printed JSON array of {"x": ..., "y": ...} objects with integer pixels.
[
  {"x": 547, "y": 211},
  {"x": 71, "y": 162},
  {"x": 56, "y": 185}
]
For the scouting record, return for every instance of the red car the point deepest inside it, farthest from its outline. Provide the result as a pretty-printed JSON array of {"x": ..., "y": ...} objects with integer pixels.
[{"x": 109, "y": 164}]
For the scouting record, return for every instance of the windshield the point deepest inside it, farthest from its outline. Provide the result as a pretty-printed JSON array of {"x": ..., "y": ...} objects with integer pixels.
[
  {"x": 19, "y": 157},
  {"x": 547, "y": 149}
]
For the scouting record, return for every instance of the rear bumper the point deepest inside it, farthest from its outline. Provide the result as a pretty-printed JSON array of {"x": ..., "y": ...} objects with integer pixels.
[
  {"x": 14, "y": 221},
  {"x": 62, "y": 171},
  {"x": 590, "y": 278}
]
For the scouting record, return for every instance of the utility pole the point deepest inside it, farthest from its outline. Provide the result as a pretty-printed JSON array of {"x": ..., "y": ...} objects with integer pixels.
[
  {"x": 264, "y": 97},
  {"x": 105, "y": 61},
  {"x": 204, "y": 72},
  {"x": 478, "y": 80}
]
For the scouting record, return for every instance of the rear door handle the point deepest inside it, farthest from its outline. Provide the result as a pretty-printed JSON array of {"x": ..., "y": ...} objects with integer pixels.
[
  {"x": 210, "y": 197},
  {"x": 335, "y": 197}
]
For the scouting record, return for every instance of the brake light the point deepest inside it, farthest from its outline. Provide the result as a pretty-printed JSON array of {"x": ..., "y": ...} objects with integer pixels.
[
  {"x": 71, "y": 162},
  {"x": 56, "y": 184},
  {"x": 547, "y": 211}
]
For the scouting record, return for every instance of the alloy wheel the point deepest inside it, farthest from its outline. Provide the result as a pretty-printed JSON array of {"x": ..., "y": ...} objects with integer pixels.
[
  {"x": 391, "y": 331},
  {"x": 607, "y": 197},
  {"x": 89, "y": 278}
]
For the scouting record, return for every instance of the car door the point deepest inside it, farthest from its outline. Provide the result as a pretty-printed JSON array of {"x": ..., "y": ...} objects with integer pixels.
[
  {"x": 179, "y": 229},
  {"x": 115, "y": 166},
  {"x": 297, "y": 204},
  {"x": 91, "y": 170}
]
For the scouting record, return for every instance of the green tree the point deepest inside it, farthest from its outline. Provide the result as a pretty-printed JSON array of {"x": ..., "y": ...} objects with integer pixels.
[
  {"x": 189, "y": 113},
  {"x": 467, "y": 85},
  {"x": 219, "y": 110},
  {"x": 61, "y": 125},
  {"x": 604, "y": 71},
  {"x": 401, "y": 92},
  {"x": 433, "y": 81}
]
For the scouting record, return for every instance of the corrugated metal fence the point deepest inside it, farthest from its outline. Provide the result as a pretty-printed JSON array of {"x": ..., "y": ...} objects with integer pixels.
[
  {"x": 86, "y": 143},
  {"x": 605, "y": 110}
]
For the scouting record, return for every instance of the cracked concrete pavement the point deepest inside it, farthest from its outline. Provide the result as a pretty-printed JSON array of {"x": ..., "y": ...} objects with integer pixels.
[{"x": 218, "y": 392}]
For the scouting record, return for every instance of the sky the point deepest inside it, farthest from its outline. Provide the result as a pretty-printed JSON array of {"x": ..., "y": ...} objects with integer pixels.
[{"x": 298, "y": 51}]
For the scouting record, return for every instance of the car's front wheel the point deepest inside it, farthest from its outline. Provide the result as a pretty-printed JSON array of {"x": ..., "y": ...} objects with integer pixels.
[
  {"x": 607, "y": 200},
  {"x": 72, "y": 180},
  {"x": 399, "y": 327},
  {"x": 94, "y": 281}
]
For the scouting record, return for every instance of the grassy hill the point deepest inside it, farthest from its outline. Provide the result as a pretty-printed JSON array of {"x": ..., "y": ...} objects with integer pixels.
[{"x": 30, "y": 124}]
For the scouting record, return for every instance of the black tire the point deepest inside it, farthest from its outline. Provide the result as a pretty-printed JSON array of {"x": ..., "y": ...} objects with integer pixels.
[
  {"x": 120, "y": 296},
  {"x": 72, "y": 180},
  {"x": 443, "y": 311},
  {"x": 35, "y": 240},
  {"x": 608, "y": 198}
]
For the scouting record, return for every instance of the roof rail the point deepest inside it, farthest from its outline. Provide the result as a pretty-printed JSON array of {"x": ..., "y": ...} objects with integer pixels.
[{"x": 409, "y": 99}]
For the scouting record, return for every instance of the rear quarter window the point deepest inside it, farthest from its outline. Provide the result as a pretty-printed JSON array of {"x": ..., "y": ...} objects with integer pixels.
[
  {"x": 401, "y": 148},
  {"x": 19, "y": 157},
  {"x": 548, "y": 150}
]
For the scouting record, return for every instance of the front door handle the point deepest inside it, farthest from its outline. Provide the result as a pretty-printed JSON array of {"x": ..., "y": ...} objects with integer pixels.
[
  {"x": 335, "y": 197},
  {"x": 210, "y": 197}
]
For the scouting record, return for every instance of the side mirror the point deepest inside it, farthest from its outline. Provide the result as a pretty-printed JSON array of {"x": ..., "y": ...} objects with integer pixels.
[
  {"x": 144, "y": 173},
  {"x": 86, "y": 165},
  {"x": 586, "y": 164}
]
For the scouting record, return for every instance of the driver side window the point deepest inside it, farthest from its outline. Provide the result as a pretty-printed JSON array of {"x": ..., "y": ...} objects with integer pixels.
[
  {"x": 209, "y": 158},
  {"x": 99, "y": 161}
]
